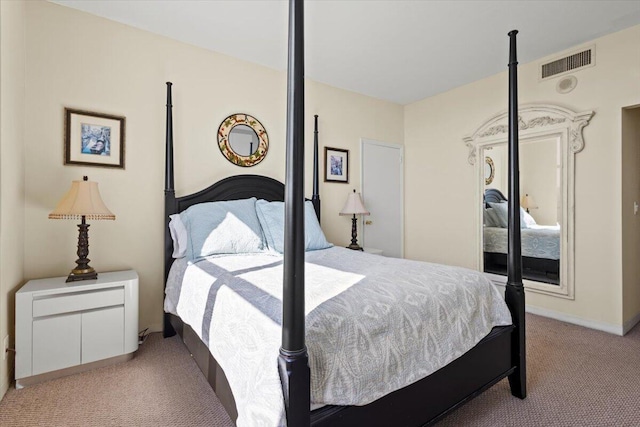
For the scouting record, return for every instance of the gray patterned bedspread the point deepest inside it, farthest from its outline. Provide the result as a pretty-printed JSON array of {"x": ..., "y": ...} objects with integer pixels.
[
  {"x": 541, "y": 241},
  {"x": 374, "y": 324}
]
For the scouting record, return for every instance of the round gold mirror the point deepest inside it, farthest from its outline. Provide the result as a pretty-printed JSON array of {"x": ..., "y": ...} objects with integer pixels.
[
  {"x": 489, "y": 170},
  {"x": 243, "y": 140}
]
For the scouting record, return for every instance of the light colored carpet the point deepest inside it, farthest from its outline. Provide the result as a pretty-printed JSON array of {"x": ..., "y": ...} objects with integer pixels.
[
  {"x": 577, "y": 377},
  {"x": 161, "y": 386}
]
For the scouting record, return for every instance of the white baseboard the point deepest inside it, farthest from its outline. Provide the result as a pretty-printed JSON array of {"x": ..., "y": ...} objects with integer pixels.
[
  {"x": 563, "y": 317},
  {"x": 587, "y": 323},
  {"x": 628, "y": 325}
]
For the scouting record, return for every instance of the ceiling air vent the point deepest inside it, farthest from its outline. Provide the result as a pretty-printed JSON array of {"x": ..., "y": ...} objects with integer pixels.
[{"x": 581, "y": 59}]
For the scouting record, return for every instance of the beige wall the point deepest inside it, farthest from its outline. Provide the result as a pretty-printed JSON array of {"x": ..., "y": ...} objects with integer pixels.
[
  {"x": 82, "y": 61},
  {"x": 442, "y": 227},
  {"x": 630, "y": 222},
  {"x": 539, "y": 177},
  {"x": 12, "y": 54}
]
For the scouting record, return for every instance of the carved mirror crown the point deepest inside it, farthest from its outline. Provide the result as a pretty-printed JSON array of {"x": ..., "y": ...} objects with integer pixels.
[{"x": 532, "y": 118}]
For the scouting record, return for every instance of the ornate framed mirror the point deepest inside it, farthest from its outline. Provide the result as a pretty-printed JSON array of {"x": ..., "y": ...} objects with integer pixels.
[
  {"x": 550, "y": 137},
  {"x": 243, "y": 140}
]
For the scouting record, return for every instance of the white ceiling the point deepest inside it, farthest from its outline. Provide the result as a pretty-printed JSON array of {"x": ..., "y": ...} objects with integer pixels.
[{"x": 400, "y": 51}]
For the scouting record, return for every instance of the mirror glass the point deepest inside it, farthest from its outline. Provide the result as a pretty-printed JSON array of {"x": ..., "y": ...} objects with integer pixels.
[
  {"x": 243, "y": 140},
  {"x": 540, "y": 212}
]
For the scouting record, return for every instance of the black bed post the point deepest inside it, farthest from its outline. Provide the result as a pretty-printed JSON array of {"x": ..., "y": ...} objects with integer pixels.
[
  {"x": 169, "y": 203},
  {"x": 315, "y": 198},
  {"x": 514, "y": 294},
  {"x": 293, "y": 362}
]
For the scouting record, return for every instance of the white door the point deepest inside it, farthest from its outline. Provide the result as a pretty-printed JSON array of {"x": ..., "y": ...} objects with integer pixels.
[{"x": 382, "y": 191}]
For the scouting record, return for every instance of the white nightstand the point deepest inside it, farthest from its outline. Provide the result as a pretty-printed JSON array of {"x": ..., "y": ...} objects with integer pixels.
[
  {"x": 64, "y": 328},
  {"x": 373, "y": 251}
]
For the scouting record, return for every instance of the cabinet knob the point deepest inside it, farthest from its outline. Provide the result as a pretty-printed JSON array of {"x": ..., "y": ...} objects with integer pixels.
[{"x": 368, "y": 222}]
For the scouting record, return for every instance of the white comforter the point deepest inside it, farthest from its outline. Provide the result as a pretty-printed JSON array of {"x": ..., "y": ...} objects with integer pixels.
[
  {"x": 538, "y": 241},
  {"x": 374, "y": 324}
]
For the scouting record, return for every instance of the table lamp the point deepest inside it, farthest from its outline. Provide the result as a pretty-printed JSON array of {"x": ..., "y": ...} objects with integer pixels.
[
  {"x": 82, "y": 202},
  {"x": 354, "y": 206}
]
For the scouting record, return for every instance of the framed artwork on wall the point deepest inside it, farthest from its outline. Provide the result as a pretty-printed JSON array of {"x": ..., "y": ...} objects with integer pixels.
[
  {"x": 93, "y": 139},
  {"x": 336, "y": 165}
]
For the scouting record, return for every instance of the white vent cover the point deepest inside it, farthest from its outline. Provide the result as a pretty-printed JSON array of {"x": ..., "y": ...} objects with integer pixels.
[{"x": 579, "y": 59}]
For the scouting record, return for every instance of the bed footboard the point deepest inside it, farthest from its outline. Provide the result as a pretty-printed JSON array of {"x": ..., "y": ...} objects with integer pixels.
[{"x": 430, "y": 399}]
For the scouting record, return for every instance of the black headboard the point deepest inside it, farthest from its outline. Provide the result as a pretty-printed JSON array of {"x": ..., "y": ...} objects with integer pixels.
[
  {"x": 235, "y": 188},
  {"x": 493, "y": 195}
]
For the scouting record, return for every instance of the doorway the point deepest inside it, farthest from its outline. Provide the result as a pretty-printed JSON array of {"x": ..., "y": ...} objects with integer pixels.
[{"x": 383, "y": 193}]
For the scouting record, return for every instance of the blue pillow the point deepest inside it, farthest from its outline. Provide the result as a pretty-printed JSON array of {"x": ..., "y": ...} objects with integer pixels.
[
  {"x": 501, "y": 211},
  {"x": 502, "y": 216},
  {"x": 271, "y": 216},
  {"x": 226, "y": 227},
  {"x": 490, "y": 219}
]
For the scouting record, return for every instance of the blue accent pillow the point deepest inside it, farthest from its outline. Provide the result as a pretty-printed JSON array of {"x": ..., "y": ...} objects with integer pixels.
[
  {"x": 490, "y": 218},
  {"x": 501, "y": 214},
  {"x": 501, "y": 211},
  {"x": 271, "y": 216},
  {"x": 225, "y": 227}
]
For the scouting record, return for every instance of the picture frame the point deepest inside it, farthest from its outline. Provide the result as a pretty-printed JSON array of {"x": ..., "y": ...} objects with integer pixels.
[
  {"x": 336, "y": 165},
  {"x": 94, "y": 139}
]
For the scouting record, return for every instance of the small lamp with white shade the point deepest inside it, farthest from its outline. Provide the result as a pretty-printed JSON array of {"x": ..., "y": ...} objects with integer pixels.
[{"x": 354, "y": 206}]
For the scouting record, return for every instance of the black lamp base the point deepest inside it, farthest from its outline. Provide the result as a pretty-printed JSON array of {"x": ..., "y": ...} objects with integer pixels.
[
  {"x": 87, "y": 274},
  {"x": 83, "y": 270},
  {"x": 354, "y": 235}
]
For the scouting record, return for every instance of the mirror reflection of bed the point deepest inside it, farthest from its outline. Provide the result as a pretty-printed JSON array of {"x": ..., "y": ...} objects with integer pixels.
[{"x": 540, "y": 245}]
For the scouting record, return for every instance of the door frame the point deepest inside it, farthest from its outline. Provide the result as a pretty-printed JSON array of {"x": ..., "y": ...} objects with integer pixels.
[{"x": 369, "y": 141}]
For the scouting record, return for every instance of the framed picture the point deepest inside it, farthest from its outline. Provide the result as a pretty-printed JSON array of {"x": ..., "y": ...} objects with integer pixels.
[
  {"x": 93, "y": 139},
  {"x": 336, "y": 165}
]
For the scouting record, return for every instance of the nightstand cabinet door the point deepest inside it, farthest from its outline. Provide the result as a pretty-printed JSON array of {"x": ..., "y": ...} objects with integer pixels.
[
  {"x": 102, "y": 333},
  {"x": 56, "y": 342}
]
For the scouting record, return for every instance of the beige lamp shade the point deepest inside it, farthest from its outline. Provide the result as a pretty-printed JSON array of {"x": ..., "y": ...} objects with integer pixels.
[
  {"x": 354, "y": 205},
  {"x": 527, "y": 202},
  {"x": 83, "y": 199}
]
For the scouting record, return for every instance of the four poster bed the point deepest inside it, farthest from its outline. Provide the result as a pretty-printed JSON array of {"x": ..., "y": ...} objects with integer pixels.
[
  {"x": 232, "y": 308},
  {"x": 540, "y": 246}
]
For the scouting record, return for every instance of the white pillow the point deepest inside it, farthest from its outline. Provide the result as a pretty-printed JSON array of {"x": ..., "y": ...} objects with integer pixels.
[
  {"x": 178, "y": 235},
  {"x": 527, "y": 220}
]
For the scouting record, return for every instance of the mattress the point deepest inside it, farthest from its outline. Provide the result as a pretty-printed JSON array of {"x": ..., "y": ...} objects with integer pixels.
[
  {"x": 373, "y": 324},
  {"x": 538, "y": 241}
]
